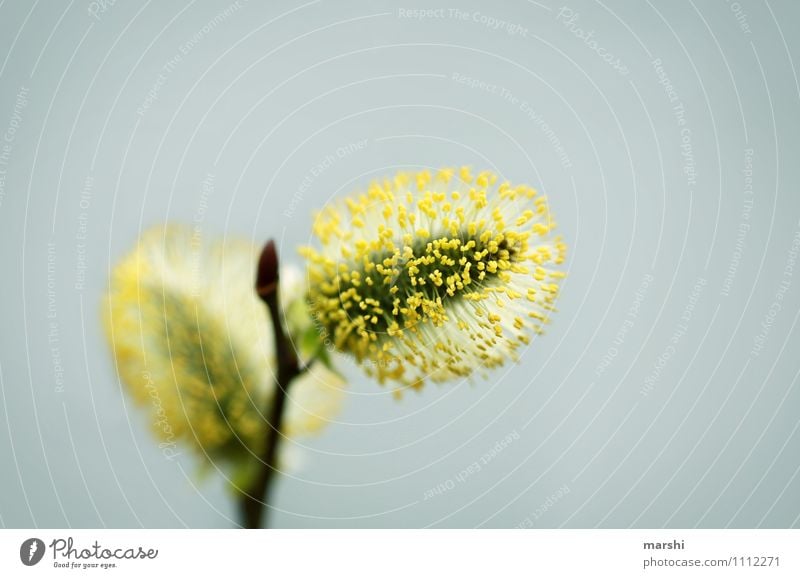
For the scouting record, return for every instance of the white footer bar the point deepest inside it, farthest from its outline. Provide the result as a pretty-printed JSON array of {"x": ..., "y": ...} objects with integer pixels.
[{"x": 401, "y": 553}]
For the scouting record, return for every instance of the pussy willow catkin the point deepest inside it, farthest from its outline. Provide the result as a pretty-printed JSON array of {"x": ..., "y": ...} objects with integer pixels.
[
  {"x": 193, "y": 343},
  {"x": 434, "y": 275}
]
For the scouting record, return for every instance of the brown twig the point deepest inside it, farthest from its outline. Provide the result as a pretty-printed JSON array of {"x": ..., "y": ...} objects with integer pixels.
[{"x": 256, "y": 497}]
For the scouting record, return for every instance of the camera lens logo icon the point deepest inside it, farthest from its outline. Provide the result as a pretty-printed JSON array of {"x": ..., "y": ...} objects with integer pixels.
[{"x": 31, "y": 551}]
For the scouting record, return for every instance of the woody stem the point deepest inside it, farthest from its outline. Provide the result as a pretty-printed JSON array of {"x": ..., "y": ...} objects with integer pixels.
[{"x": 257, "y": 495}]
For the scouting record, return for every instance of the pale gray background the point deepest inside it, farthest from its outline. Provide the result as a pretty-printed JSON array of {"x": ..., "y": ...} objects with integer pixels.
[{"x": 272, "y": 90}]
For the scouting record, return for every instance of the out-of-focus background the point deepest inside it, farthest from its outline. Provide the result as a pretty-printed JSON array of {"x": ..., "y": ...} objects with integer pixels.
[{"x": 665, "y": 392}]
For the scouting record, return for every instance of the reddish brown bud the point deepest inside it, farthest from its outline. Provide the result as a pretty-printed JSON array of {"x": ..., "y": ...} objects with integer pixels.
[{"x": 267, "y": 275}]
